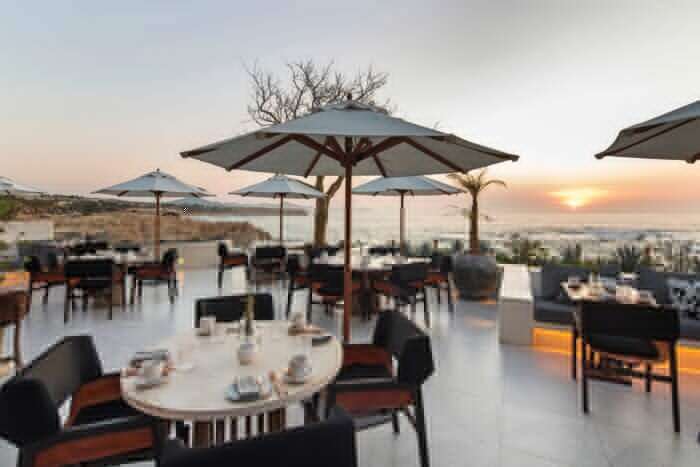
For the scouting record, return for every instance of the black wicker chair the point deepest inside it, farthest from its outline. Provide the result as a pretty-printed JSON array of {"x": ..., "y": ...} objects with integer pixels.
[
  {"x": 101, "y": 428},
  {"x": 631, "y": 336},
  {"x": 229, "y": 260},
  {"x": 406, "y": 286},
  {"x": 156, "y": 274},
  {"x": 380, "y": 380},
  {"x": 88, "y": 277}
]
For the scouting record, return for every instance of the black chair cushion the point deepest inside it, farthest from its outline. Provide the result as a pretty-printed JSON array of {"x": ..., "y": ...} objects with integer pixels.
[
  {"x": 620, "y": 345},
  {"x": 554, "y": 312},
  {"x": 690, "y": 328},
  {"x": 408, "y": 344},
  {"x": 107, "y": 411}
]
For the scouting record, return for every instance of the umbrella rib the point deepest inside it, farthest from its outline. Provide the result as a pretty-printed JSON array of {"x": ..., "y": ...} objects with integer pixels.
[
  {"x": 260, "y": 153},
  {"x": 312, "y": 165},
  {"x": 380, "y": 166},
  {"x": 363, "y": 144},
  {"x": 435, "y": 156},
  {"x": 383, "y": 145},
  {"x": 309, "y": 142},
  {"x": 643, "y": 140}
]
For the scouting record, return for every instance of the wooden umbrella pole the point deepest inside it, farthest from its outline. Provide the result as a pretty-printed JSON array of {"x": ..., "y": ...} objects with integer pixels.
[
  {"x": 156, "y": 234},
  {"x": 402, "y": 226},
  {"x": 347, "y": 283},
  {"x": 281, "y": 219}
]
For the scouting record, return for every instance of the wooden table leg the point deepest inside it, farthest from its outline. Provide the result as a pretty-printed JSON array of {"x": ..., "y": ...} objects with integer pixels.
[
  {"x": 202, "y": 437},
  {"x": 277, "y": 420}
]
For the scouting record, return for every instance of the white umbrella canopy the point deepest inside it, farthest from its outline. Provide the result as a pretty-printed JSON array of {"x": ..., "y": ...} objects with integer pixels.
[
  {"x": 11, "y": 188},
  {"x": 157, "y": 184},
  {"x": 673, "y": 136},
  {"x": 280, "y": 186},
  {"x": 402, "y": 186},
  {"x": 346, "y": 139}
]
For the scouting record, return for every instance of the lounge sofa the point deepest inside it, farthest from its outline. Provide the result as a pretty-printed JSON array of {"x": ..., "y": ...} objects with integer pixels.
[{"x": 552, "y": 306}]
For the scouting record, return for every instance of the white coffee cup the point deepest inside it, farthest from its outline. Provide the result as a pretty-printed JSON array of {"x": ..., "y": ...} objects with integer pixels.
[
  {"x": 207, "y": 325},
  {"x": 151, "y": 369},
  {"x": 246, "y": 353},
  {"x": 299, "y": 366}
]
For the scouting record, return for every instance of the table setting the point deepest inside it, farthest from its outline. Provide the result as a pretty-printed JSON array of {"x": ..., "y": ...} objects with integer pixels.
[{"x": 232, "y": 369}]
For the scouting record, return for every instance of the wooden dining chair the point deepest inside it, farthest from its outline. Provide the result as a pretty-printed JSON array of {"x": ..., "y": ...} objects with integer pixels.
[
  {"x": 86, "y": 278},
  {"x": 44, "y": 278},
  {"x": 406, "y": 286},
  {"x": 635, "y": 336},
  {"x": 439, "y": 277},
  {"x": 101, "y": 429},
  {"x": 229, "y": 260},
  {"x": 382, "y": 379},
  {"x": 157, "y": 273}
]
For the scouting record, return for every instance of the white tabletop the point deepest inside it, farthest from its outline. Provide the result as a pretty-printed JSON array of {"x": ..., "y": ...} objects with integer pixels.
[{"x": 198, "y": 393}]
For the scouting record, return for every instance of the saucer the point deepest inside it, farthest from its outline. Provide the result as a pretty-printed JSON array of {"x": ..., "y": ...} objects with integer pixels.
[
  {"x": 143, "y": 383},
  {"x": 298, "y": 379},
  {"x": 233, "y": 396}
]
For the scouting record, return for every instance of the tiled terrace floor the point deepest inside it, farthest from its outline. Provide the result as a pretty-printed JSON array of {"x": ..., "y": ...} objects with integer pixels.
[{"x": 487, "y": 405}]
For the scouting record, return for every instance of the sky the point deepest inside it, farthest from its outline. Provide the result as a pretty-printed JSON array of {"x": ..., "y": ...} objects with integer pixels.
[{"x": 95, "y": 93}]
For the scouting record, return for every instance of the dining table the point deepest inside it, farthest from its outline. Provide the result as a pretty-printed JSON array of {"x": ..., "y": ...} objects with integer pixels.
[
  {"x": 205, "y": 367},
  {"x": 14, "y": 306},
  {"x": 370, "y": 267},
  {"x": 582, "y": 291}
]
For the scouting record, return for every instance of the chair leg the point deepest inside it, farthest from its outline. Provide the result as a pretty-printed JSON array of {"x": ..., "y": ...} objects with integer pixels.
[
  {"x": 17, "y": 349},
  {"x": 220, "y": 277},
  {"x": 67, "y": 304},
  {"x": 133, "y": 290},
  {"x": 395, "y": 422},
  {"x": 46, "y": 294},
  {"x": 673, "y": 367},
  {"x": 437, "y": 292},
  {"x": 450, "y": 301},
  {"x": 421, "y": 431},
  {"x": 111, "y": 301},
  {"x": 309, "y": 305},
  {"x": 647, "y": 377},
  {"x": 426, "y": 311},
  {"x": 290, "y": 297},
  {"x": 584, "y": 379},
  {"x": 574, "y": 357}
]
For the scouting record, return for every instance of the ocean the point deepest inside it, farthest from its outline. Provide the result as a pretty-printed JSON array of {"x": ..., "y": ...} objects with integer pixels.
[{"x": 378, "y": 225}]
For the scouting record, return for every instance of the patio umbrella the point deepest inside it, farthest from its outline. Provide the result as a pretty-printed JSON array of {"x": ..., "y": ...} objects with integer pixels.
[
  {"x": 280, "y": 186},
  {"x": 402, "y": 186},
  {"x": 157, "y": 184},
  {"x": 672, "y": 136},
  {"x": 344, "y": 139},
  {"x": 11, "y": 188}
]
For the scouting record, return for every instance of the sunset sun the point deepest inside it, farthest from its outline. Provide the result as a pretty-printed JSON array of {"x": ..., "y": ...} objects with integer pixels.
[{"x": 575, "y": 198}]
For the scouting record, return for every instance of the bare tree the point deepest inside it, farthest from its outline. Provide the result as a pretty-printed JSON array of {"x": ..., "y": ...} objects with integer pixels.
[{"x": 307, "y": 86}]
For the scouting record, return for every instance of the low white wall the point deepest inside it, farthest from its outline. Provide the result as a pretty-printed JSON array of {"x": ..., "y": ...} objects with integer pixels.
[
  {"x": 516, "y": 306},
  {"x": 29, "y": 230}
]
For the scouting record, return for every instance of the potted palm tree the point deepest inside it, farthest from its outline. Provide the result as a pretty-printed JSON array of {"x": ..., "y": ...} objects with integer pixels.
[{"x": 476, "y": 275}]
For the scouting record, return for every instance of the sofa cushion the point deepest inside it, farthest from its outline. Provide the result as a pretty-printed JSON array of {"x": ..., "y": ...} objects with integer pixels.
[
  {"x": 690, "y": 327},
  {"x": 657, "y": 283},
  {"x": 554, "y": 274},
  {"x": 549, "y": 311}
]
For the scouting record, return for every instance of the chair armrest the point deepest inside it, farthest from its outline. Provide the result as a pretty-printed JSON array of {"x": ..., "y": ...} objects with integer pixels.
[
  {"x": 104, "y": 389},
  {"x": 366, "y": 354},
  {"x": 90, "y": 442}
]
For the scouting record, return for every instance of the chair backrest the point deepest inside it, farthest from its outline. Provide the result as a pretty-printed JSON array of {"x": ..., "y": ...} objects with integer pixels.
[
  {"x": 89, "y": 268},
  {"x": 169, "y": 258},
  {"x": 270, "y": 252},
  {"x": 30, "y": 400},
  {"x": 379, "y": 251},
  {"x": 324, "y": 444},
  {"x": 442, "y": 263},
  {"x": 293, "y": 265},
  {"x": 52, "y": 262},
  {"x": 631, "y": 321},
  {"x": 231, "y": 308},
  {"x": 32, "y": 265},
  {"x": 409, "y": 273},
  {"x": 408, "y": 344},
  {"x": 222, "y": 250}
]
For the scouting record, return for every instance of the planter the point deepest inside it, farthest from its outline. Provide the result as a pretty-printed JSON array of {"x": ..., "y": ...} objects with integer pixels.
[{"x": 476, "y": 277}]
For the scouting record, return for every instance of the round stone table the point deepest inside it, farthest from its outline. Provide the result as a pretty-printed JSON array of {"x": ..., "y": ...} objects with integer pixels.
[{"x": 198, "y": 394}]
